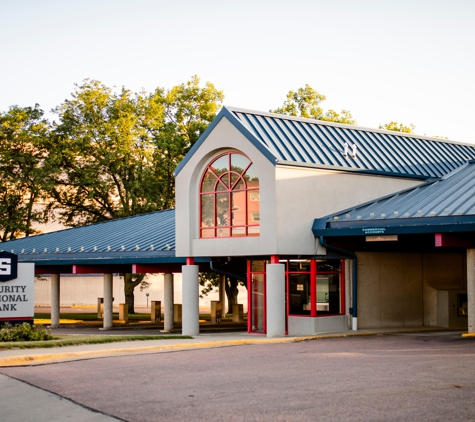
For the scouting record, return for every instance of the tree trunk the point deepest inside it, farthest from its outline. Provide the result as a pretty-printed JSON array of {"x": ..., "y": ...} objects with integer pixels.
[
  {"x": 130, "y": 300},
  {"x": 131, "y": 281},
  {"x": 231, "y": 293}
]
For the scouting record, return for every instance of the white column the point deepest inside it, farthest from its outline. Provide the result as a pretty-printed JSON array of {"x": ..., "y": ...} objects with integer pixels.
[
  {"x": 190, "y": 301},
  {"x": 275, "y": 300},
  {"x": 107, "y": 302},
  {"x": 222, "y": 294},
  {"x": 471, "y": 289},
  {"x": 168, "y": 302},
  {"x": 55, "y": 300}
]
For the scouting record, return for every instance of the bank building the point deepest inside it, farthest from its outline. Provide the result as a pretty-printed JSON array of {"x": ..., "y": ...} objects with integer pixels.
[{"x": 330, "y": 227}]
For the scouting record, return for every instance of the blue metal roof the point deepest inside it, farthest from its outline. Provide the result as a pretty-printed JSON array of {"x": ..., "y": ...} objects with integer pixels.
[
  {"x": 298, "y": 141},
  {"x": 153, "y": 233},
  {"x": 438, "y": 206}
]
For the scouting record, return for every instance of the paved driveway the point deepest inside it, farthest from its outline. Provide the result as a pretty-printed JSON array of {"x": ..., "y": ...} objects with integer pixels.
[{"x": 392, "y": 377}]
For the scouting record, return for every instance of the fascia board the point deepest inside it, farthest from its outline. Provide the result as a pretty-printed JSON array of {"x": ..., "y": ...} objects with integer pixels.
[
  {"x": 225, "y": 113},
  {"x": 453, "y": 224}
]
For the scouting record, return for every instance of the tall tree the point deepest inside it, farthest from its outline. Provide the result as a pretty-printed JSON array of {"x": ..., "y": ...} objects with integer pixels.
[
  {"x": 305, "y": 102},
  {"x": 24, "y": 171},
  {"x": 117, "y": 151},
  {"x": 398, "y": 127}
]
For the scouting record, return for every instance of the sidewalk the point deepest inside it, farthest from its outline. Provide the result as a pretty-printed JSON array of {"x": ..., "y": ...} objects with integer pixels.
[{"x": 22, "y": 357}]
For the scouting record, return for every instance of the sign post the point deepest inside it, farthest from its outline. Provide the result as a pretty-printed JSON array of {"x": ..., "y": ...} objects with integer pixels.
[{"x": 17, "y": 303}]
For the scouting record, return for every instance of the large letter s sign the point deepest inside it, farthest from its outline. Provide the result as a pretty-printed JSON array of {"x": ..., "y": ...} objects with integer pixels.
[{"x": 5, "y": 266}]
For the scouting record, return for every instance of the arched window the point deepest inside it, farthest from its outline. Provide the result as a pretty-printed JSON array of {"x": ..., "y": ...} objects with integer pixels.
[{"x": 229, "y": 198}]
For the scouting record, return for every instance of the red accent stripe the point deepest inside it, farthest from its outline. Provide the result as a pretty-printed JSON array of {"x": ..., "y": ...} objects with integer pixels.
[
  {"x": 190, "y": 261},
  {"x": 29, "y": 318}
]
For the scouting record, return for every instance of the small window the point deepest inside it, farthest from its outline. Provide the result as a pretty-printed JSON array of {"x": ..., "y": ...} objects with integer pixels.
[{"x": 229, "y": 198}]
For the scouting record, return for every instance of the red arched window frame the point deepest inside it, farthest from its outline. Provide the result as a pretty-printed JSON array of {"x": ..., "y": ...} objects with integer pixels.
[{"x": 229, "y": 198}]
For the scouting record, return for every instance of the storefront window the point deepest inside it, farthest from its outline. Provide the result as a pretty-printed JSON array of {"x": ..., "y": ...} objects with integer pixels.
[
  {"x": 229, "y": 198},
  {"x": 298, "y": 286},
  {"x": 313, "y": 278},
  {"x": 313, "y": 288}
]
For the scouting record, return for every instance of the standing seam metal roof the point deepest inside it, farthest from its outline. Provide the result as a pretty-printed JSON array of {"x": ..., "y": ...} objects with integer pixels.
[
  {"x": 314, "y": 142},
  {"x": 147, "y": 232},
  {"x": 450, "y": 196}
]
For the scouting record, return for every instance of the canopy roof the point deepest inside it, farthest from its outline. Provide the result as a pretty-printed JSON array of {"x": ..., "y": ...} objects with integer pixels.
[
  {"x": 445, "y": 205},
  {"x": 122, "y": 244},
  {"x": 306, "y": 142}
]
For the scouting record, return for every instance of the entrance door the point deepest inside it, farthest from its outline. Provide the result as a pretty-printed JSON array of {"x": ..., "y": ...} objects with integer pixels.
[{"x": 256, "y": 281}]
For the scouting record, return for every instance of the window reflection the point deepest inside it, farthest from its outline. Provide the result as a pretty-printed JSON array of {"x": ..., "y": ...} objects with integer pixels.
[{"x": 229, "y": 198}]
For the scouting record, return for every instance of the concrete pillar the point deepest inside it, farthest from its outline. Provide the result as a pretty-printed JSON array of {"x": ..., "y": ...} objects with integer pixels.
[
  {"x": 275, "y": 305},
  {"x": 222, "y": 294},
  {"x": 107, "y": 302},
  {"x": 471, "y": 289},
  {"x": 168, "y": 298},
  {"x": 190, "y": 301},
  {"x": 55, "y": 300}
]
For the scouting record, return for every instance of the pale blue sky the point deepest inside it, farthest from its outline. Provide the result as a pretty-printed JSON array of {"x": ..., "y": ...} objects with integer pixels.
[{"x": 409, "y": 61}]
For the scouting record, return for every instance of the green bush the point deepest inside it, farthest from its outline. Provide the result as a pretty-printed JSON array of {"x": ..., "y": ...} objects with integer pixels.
[{"x": 24, "y": 332}]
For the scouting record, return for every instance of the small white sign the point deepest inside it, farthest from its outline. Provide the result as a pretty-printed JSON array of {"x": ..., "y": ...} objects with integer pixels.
[{"x": 17, "y": 296}]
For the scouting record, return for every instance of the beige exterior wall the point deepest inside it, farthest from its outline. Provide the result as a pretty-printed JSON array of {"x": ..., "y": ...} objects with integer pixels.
[
  {"x": 303, "y": 194},
  {"x": 224, "y": 137},
  {"x": 409, "y": 289},
  {"x": 290, "y": 199}
]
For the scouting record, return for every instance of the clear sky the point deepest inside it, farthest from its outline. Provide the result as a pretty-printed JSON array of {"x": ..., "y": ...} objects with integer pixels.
[{"x": 411, "y": 61}]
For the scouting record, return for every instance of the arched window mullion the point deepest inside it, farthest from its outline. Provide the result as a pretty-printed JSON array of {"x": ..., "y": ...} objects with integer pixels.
[
  {"x": 236, "y": 182},
  {"x": 232, "y": 207}
]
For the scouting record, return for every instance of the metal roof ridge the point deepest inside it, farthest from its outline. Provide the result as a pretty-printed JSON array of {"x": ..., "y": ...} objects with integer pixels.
[
  {"x": 347, "y": 126},
  {"x": 456, "y": 170}
]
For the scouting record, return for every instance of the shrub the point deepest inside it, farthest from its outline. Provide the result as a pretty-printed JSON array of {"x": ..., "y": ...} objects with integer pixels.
[{"x": 24, "y": 332}]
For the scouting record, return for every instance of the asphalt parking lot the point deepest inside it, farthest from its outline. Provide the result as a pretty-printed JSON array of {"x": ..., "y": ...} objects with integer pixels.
[{"x": 419, "y": 376}]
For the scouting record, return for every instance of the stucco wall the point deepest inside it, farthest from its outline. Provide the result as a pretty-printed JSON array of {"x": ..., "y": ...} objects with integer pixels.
[
  {"x": 408, "y": 289},
  {"x": 290, "y": 199},
  {"x": 303, "y": 194},
  {"x": 224, "y": 137}
]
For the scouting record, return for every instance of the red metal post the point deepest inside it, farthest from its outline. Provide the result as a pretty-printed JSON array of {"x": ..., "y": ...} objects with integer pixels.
[
  {"x": 249, "y": 296},
  {"x": 313, "y": 288},
  {"x": 190, "y": 261},
  {"x": 342, "y": 288}
]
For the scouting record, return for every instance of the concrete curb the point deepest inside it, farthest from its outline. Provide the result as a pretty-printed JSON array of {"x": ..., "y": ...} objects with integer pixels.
[
  {"x": 468, "y": 335},
  {"x": 90, "y": 354}
]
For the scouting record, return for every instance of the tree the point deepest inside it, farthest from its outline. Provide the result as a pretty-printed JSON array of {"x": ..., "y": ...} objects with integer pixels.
[
  {"x": 210, "y": 281},
  {"x": 398, "y": 127},
  {"x": 24, "y": 171},
  {"x": 305, "y": 102},
  {"x": 117, "y": 151}
]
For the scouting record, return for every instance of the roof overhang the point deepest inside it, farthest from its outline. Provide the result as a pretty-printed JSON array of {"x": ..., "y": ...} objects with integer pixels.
[{"x": 452, "y": 224}]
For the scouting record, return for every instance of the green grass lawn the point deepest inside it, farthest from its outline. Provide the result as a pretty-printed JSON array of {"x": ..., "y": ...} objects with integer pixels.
[{"x": 78, "y": 339}]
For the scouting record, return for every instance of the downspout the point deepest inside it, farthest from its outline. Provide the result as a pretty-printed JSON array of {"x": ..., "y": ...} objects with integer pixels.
[{"x": 352, "y": 255}]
